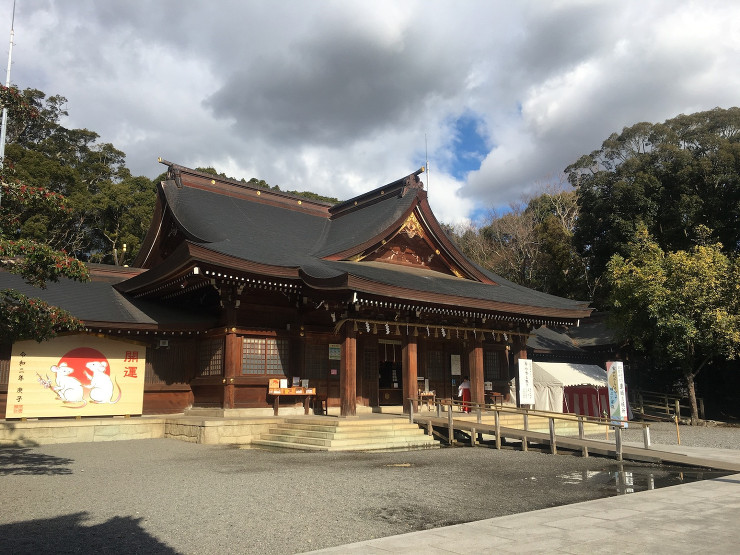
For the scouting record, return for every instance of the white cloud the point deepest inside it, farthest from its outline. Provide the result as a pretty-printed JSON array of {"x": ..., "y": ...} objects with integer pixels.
[{"x": 337, "y": 96}]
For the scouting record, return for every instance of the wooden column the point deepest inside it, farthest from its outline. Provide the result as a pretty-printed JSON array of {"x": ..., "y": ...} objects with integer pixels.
[
  {"x": 410, "y": 372},
  {"x": 232, "y": 365},
  {"x": 348, "y": 372},
  {"x": 475, "y": 364},
  {"x": 519, "y": 348}
]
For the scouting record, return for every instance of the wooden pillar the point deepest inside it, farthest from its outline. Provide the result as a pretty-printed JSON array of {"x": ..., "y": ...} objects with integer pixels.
[
  {"x": 232, "y": 342},
  {"x": 519, "y": 348},
  {"x": 232, "y": 365},
  {"x": 410, "y": 372},
  {"x": 348, "y": 372},
  {"x": 475, "y": 364}
]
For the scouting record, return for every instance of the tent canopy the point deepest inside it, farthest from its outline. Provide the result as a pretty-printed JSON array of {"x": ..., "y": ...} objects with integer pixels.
[
  {"x": 567, "y": 374},
  {"x": 551, "y": 379}
]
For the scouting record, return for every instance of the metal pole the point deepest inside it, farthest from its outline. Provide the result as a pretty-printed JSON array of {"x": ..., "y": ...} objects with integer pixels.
[
  {"x": 618, "y": 441},
  {"x": 4, "y": 126}
]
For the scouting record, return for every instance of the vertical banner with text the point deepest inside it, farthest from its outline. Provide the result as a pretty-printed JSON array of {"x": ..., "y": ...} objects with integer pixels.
[
  {"x": 76, "y": 375},
  {"x": 525, "y": 382},
  {"x": 617, "y": 393}
]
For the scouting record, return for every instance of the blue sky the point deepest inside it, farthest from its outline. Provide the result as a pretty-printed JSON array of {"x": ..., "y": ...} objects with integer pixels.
[{"x": 337, "y": 96}]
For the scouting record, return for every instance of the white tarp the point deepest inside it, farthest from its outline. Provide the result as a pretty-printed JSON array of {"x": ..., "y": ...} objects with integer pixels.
[{"x": 551, "y": 379}]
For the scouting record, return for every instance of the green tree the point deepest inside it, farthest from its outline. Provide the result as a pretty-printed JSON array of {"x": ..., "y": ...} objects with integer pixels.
[
  {"x": 532, "y": 244},
  {"x": 680, "y": 308},
  {"x": 23, "y": 317},
  {"x": 106, "y": 204},
  {"x": 670, "y": 177}
]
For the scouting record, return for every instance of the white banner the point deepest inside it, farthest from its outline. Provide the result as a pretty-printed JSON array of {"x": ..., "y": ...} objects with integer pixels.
[
  {"x": 525, "y": 382},
  {"x": 617, "y": 393}
]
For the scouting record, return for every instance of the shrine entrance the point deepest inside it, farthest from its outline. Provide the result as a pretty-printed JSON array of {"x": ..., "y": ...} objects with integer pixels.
[{"x": 390, "y": 372}]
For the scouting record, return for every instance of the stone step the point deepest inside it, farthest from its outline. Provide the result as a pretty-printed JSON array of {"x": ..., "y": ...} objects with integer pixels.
[
  {"x": 335, "y": 442},
  {"x": 344, "y": 434},
  {"x": 389, "y": 429},
  {"x": 322, "y": 433},
  {"x": 371, "y": 446}
]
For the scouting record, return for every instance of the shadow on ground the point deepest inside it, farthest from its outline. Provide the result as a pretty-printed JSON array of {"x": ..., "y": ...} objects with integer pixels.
[
  {"x": 22, "y": 460},
  {"x": 67, "y": 534}
]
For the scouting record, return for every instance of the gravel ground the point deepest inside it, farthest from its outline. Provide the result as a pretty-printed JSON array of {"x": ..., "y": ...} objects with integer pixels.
[
  {"x": 166, "y": 496},
  {"x": 713, "y": 435}
]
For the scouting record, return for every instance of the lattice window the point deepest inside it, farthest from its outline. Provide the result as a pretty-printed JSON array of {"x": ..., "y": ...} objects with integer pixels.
[
  {"x": 264, "y": 356},
  {"x": 435, "y": 369},
  {"x": 495, "y": 366},
  {"x": 211, "y": 357},
  {"x": 317, "y": 362}
]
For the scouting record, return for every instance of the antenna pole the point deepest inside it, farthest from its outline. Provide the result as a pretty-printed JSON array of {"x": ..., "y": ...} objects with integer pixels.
[
  {"x": 426, "y": 156},
  {"x": 4, "y": 129}
]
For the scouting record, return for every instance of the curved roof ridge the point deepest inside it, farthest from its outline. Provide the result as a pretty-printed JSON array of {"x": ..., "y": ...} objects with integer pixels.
[{"x": 400, "y": 187}]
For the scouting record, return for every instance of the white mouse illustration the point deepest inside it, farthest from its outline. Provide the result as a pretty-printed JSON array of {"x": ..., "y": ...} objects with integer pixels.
[
  {"x": 68, "y": 388},
  {"x": 101, "y": 386}
]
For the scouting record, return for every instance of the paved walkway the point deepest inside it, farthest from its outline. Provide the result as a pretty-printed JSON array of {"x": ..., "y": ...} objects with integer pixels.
[{"x": 689, "y": 518}]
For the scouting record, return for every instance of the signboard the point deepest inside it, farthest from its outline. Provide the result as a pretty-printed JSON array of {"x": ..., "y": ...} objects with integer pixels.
[
  {"x": 525, "y": 382},
  {"x": 335, "y": 351},
  {"x": 617, "y": 394},
  {"x": 76, "y": 375},
  {"x": 455, "y": 365}
]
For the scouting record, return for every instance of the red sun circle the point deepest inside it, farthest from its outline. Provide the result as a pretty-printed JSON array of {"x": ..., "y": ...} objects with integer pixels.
[{"x": 78, "y": 358}]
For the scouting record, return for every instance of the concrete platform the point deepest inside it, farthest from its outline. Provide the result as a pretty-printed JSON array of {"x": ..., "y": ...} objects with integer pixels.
[{"x": 700, "y": 517}]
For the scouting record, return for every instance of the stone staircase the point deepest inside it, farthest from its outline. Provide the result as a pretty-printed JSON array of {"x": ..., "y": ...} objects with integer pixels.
[{"x": 323, "y": 433}]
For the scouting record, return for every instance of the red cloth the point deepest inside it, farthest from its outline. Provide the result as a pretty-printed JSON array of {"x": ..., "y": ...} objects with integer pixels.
[{"x": 466, "y": 399}]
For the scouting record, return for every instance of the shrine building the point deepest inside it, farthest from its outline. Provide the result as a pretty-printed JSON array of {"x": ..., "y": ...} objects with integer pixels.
[{"x": 366, "y": 302}]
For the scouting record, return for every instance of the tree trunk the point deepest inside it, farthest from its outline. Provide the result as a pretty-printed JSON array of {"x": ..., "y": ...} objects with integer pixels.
[{"x": 692, "y": 398}]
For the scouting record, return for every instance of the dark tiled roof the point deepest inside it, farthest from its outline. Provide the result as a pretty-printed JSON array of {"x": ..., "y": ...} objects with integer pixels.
[
  {"x": 594, "y": 333},
  {"x": 429, "y": 281},
  {"x": 240, "y": 223},
  {"x": 545, "y": 339},
  {"x": 243, "y": 229},
  {"x": 357, "y": 227},
  {"x": 98, "y": 301}
]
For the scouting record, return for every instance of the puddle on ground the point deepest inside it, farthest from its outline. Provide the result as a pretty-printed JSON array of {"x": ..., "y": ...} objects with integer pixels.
[{"x": 624, "y": 479}]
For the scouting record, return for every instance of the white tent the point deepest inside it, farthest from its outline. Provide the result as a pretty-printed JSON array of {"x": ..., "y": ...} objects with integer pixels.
[{"x": 557, "y": 383}]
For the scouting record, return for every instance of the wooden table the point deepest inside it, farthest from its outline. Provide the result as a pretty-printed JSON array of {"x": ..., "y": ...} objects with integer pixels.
[{"x": 305, "y": 392}]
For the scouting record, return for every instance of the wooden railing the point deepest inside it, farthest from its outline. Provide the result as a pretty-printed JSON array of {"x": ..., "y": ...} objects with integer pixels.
[
  {"x": 652, "y": 405},
  {"x": 479, "y": 409}
]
